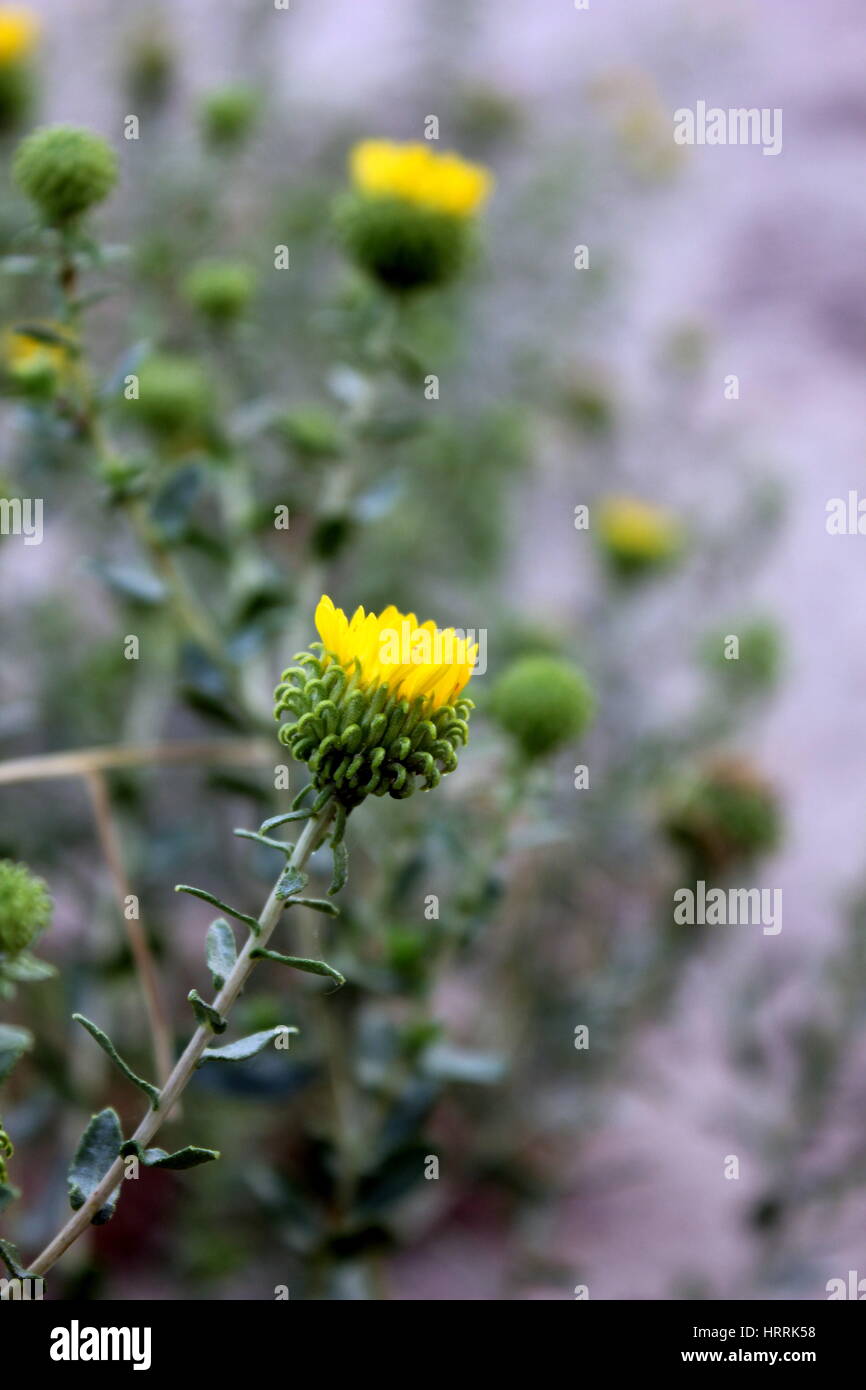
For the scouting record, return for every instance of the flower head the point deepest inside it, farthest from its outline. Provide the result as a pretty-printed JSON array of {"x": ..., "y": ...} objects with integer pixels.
[
  {"x": 408, "y": 223},
  {"x": 19, "y": 30},
  {"x": 25, "y": 907},
  {"x": 377, "y": 705},
  {"x": 636, "y": 536},
  {"x": 64, "y": 171},
  {"x": 416, "y": 174}
]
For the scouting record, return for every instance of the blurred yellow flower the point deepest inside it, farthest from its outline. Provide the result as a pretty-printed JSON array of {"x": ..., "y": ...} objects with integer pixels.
[
  {"x": 394, "y": 650},
  {"x": 417, "y": 174},
  {"x": 636, "y": 532},
  {"x": 28, "y": 357},
  {"x": 19, "y": 30}
]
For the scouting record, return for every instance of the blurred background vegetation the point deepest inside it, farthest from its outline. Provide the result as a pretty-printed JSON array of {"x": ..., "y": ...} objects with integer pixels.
[{"x": 457, "y": 1035}]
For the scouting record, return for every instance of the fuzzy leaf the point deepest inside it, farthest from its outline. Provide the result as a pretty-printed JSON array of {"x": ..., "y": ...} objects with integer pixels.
[
  {"x": 27, "y": 969},
  {"x": 317, "y": 905},
  {"x": 14, "y": 1042},
  {"x": 222, "y": 951},
  {"x": 9, "y": 1256},
  {"x": 8, "y": 1194},
  {"x": 207, "y": 897},
  {"x": 290, "y": 882},
  {"x": 151, "y": 1091},
  {"x": 98, "y": 1148},
  {"x": 341, "y": 866},
  {"x": 274, "y": 821},
  {"x": 244, "y": 1048},
  {"x": 189, "y": 1157},
  {"x": 311, "y": 967},
  {"x": 206, "y": 1013}
]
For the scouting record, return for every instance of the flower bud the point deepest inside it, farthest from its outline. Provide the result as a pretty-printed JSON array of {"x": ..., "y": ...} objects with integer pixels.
[
  {"x": 228, "y": 116},
  {"x": 64, "y": 171},
  {"x": 174, "y": 397},
  {"x": 723, "y": 815},
  {"x": 543, "y": 702},
  {"x": 25, "y": 907},
  {"x": 637, "y": 538},
  {"x": 220, "y": 290}
]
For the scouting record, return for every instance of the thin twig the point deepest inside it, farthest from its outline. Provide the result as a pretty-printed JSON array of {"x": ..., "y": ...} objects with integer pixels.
[
  {"x": 82, "y": 761},
  {"x": 160, "y": 1030}
]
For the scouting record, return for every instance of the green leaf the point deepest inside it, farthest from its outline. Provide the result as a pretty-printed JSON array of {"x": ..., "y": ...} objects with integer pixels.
[
  {"x": 8, "y": 1194},
  {"x": 222, "y": 951},
  {"x": 9, "y": 1256},
  {"x": 244, "y": 1048},
  {"x": 190, "y": 1157},
  {"x": 14, "y": 1042},
  {"x": 312, "y": 967},
  {"x": 302, "y": 814},
  {"x": 207, "y": 897},
  {"x": 98, "y": 1148},
  {"x": 291, "y": 880},
  {"x": 265, "y": 840},
  {"x": 41, "y": 333},
  {"x": 341, "y": 866},
  {"x": 317, "y": 904},
  {"x": 151, "y": 1091},
  {"x": 206, "y": 1013},
  {"x": 27, "y": 969}
]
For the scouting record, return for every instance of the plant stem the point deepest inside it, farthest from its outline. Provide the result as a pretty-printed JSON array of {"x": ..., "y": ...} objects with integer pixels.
[
  {"x": 79, "y": 763},
  {"x": 136, "y": 935},
  {"x": 312, "y": 836}
]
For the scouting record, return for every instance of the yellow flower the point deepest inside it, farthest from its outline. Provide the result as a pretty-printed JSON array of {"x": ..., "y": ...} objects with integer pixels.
[
  {"x": 637, "y": 532},
  {"x": 417, "y": 174},
  {"x": 19, "y": 30},
  {"x": 33, "y": 360},
  {"x": 394, "y": 650}
]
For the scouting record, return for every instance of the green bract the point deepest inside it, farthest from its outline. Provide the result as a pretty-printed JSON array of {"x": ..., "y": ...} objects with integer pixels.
[
  {"x": 358, "y": 741},
  {"x": 542, "y": 702},
  {"x": 64, "y": 171},
  {"x": 400, "y": 244},
  {"x": 25, "y": 907}
]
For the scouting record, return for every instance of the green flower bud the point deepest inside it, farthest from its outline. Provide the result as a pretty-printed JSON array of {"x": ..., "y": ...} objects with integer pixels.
[
  {"x": 756, "y": 666},
  {"x": 312, "y": 432},
  {"x": 64, "y": 171},
  {"x": 402, "y": 245},
  {"x": 150, "y": 70},
  {"x": 221, "y": 290},
  {"x": 723, "y": 815},
  {"x": 542, "y": 702},
  {"x": 228, "y": 116},
  {"x": 174, "y": 397},
  {"x": 25, "y": 907}
]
